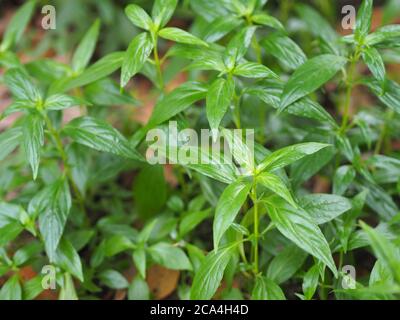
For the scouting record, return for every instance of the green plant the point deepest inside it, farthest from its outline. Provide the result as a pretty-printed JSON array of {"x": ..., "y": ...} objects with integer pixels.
[{"x": 93, "y": 207}]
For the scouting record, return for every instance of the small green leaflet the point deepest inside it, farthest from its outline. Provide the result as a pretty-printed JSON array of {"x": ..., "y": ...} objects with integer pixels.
[
  {"x": 138, "y": 17},
  {"x": 21, "y": 86},
  {"x": 162, "y": 11},
  {"x": 276, "y": 185},
  {"x": 170, "y": 256},
  {"x": 253, "y": 70},
  {"x": 33, "y": 140},
  {"x": 309, "y": 77},
  {"x": 364, "y": 19},
  {"x": 135, "y": 57},
  {"x": 389, "y": 94},
  {"x": 267, "y": 20},
  {"x": 374, "y": 62},
  {"x": 86, "y": 48},
  {"x": 288, "y": 155},
  {"x": 181, "y": 36},
  {"x": 218, "y": 99},
  {"x": 17, "y": 25}
]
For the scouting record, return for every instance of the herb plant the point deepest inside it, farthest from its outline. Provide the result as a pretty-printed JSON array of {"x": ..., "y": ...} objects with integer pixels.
[{"x": 317, "y": 197}]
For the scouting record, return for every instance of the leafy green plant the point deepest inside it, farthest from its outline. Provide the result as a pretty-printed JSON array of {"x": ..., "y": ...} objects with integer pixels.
[{"x": 81, "y": 196}]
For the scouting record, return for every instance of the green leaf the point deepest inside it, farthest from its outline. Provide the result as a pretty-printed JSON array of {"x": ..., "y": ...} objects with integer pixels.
[
  {"x": 135, "y": 57},
  {"x": 17, "y": 25},
  {"x": 300, "y": 228},
  {"x": 267, "y": 20},
  {"x": 181, "y": 36},
  {"x": 138, "y": 289},
  {"x": 276, "y": 185},
  {"x": 99, "y": 70},
  {"x": 253, "y": 70},
  {"x": 24, "y": 254},
  {"x": 288, "y": 53},
  {"x": 139, "y": 258},
  {"x": 237, "y": 47},
  {"x": 266, "y": 289},
  {"x": 220, "y": 27},
  {"x": 53, "y": 206},
  {"x": 170, "y": 256},
  {"x": 288, "y": 155},
  {"x": 163, "y": 11},
  {"x": 384, "y": 250},
  {"x": 310, "y": 282},
  {"x": 208, "y": 278},
  {"x": 286, "y": 263},
  {"x": 218, "y": 99},
  {"x": 9, "y": 232},
  {"x": 324, "y": 207},
  {"x": 316, "y": 23},
  {"x": 113, "y": 279},
  {"x": 364, "y": 19},
  {"x": 59, "y": 102},
  {"x": 67, "y": 291},
  {"x": 21, "y": 85},
  {"x": 32, "y": 288},
  {"x": 383, "y": 34},
  {"x": 175, "y": 102},
  {"x": 9, "y": 140},
  {"x": 138, "y": 17},
  {"x": 33, "y": 140},
  {"x": 99, "y": 135},
  {"x": 150, "y": 178},
  {"x": 228, "y": 207},
  {"x": 11, "y": 290},
  {"x": 389, "y": 94},
  {"x": 374, "y": 62},
  {"x": 68, "y": 259},
  {"x": 342, "y": 179},
  {"x": 86, "y": 47},
  {"x": 191, "y": 220},
  {"x": 310, "y": 76}
]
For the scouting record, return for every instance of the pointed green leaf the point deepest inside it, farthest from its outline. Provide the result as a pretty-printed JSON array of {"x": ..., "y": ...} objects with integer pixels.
[
  {"x": 135, "y": 57},
  {"x": 138, "y": 17},
  {"x": 181, "y": 36},
  {"x": 99, "y": 135},
  {"x": 218, "y": 99},
  {"x": 86, "y": 47},
  {"x": 228, "y": 207},
  {"x": 276, "y": 185},
  {"x": 310, "y": 76}
]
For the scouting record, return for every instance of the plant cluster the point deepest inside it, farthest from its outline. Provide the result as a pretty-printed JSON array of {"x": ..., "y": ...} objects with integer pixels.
[{"x": 78, "y": 195}]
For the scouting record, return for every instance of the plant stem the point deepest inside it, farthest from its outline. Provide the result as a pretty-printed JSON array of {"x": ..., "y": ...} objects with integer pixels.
[
  {"x": 349, "y": 89},
  {"x": 256, "y": 233},
  {"x": 158, "y": 63},
  {"x": 67, "y": 169}
]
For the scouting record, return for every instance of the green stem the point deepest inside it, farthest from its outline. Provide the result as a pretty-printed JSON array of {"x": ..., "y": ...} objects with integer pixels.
[
  {"x": 349, "y": 89},
  {"x": 158, "y": 63},
  {"x": 256, "y": 227},
  {"x": 67, "y": 169}
]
